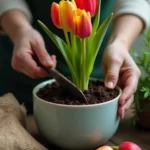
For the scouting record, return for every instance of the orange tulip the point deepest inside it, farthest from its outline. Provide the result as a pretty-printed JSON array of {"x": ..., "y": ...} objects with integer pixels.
[
  {"x": 88, "y": 5},
  {"x": 82, "y": 23},
  {"x": 62, "y": 14}
]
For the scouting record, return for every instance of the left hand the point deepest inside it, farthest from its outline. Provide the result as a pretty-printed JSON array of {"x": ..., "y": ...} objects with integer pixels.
[{"x": 119, "y": 68}]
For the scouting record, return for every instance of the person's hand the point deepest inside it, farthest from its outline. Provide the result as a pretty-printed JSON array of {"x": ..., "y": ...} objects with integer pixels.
[
  {"x": 119, "y": 68},
  {"x": 27, "y": 44}
]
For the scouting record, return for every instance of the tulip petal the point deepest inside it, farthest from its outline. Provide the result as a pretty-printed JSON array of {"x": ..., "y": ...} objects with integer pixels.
[
  {"x": 66, "y": 12},
  {"x": 55, "y": 14},
  {"x": 89, "y": 6},
  {"x": 104, "y": 148},
  {"x": 82, "y": 24}
]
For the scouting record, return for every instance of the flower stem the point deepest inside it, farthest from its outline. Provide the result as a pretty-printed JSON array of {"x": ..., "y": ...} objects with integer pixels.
[
  {"x": 73, "y": 49},
  {"x": 115, "y": 147},
  {"x": 67, "y": 38},
  {"x": 74, "y": 63},
  {"x": 83, "y": 71}
]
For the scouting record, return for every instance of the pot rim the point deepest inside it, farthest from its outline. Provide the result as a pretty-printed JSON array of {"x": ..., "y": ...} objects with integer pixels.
[{"x": 37, "y": 87}]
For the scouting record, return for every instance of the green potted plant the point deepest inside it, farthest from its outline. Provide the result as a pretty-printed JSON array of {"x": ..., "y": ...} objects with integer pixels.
[
  {"x": 69, "y": 123},
  {"x": 142, "y": 96}
]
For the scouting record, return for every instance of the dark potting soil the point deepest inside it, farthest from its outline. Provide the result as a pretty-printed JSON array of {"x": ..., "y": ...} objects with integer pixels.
[{"x": 96, "y": 93}]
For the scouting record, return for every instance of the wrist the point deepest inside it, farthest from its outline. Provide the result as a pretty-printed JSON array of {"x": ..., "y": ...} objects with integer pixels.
[
  {"x": 14, "y": 22},
  {"x": 119, "y": 39},
  {"x": 125, "y": 29}
]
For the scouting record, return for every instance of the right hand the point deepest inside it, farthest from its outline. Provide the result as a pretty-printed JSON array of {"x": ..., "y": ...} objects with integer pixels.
[
  {"x": 28, "y": 43},
  {"x": 120, "y": 68}
]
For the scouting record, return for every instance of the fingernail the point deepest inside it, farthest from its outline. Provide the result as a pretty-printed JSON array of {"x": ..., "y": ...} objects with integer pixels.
[
  {"x": 54, "y": 59},
  {"x": 48, "y": 62},
  {"x": 110, "y": 84}
]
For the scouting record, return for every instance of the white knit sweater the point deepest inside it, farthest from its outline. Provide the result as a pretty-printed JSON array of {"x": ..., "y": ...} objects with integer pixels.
[{"x": 140, "y": 8}]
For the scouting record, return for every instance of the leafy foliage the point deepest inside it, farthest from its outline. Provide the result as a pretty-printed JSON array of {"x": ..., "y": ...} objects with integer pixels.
[{"x": 142, "y": 60}]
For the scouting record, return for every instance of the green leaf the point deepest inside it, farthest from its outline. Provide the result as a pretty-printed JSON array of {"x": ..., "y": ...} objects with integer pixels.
[
  {"x": 76, "y": 56},
  {"x": 133, "y": 53},
  {"x": 147, "y": 53},
  {"x": 145, "y": 42},
  {"x": 94, "y": 44},
  {"x": 143, "y": 89},
  {"x": 146, "y": 94},
  {"x": 62, "y": 46},
  {"x": 96, "y": 19},
  {"x": 148, "y": 34},
  {"x": 101, "y": 32}
]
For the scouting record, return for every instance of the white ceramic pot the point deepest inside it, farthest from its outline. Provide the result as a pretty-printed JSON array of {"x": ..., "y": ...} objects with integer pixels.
[{"x": 76, "y": 127}]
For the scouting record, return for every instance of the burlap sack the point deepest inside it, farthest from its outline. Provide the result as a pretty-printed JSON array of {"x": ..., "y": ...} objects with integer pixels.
[{"x": 13, "y": 135}]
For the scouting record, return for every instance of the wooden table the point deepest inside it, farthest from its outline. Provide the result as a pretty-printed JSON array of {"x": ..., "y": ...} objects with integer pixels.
[{"x": 125, "y": 132}]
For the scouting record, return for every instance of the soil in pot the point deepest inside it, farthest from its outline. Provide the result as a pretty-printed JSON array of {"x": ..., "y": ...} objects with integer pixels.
[{"x": 96, "y": 93}]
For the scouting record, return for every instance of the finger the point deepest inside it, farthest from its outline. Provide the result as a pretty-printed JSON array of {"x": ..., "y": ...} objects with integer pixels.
[
  {"x": 53, "y": 57},
  {"x": 130, "y": 84},
  {"x": 35, "y": 74},
  {"x": 122, "y": 109},
  {"x": 112, "y": 73},
  {"x": 31, "y": 69},
  {"x": 39, "y": 48},
  {"x": 24, "y": 71}
]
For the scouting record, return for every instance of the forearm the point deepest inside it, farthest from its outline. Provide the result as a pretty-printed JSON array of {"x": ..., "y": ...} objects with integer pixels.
[
  {"x": 13, "y": 22},
  {"x": 126, "y": 28},
  {"x": 130, "y": 19}
]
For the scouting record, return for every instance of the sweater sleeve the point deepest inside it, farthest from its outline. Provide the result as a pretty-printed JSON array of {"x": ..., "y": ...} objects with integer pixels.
[
  {"x": 140, "y": 8},
  {"x": 6, "y": 5}
]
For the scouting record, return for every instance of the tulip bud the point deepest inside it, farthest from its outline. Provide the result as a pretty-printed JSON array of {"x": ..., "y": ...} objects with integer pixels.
[
  {"x": 104, "y": 148},
  {"x": 66, "y": 11},
  {"x": 88, "y": 5},
  {"x": 129, "y": 146},
  {"x": 55, "y": 14},
  {"x": 82, "y": 24}
]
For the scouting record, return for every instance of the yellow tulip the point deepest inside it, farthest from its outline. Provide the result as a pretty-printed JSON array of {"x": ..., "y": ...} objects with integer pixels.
[
  {"x": 62, "y": 14},
  {"x": 66, "y": 11}
]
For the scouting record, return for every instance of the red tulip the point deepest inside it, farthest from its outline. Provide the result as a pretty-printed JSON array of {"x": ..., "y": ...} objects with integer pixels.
[
  {"x": 82, "y": 23},
  {"x": 55, "y": 14},
  {"x": 88, "y": 5},
  {"x": 129, "y": 146}
]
